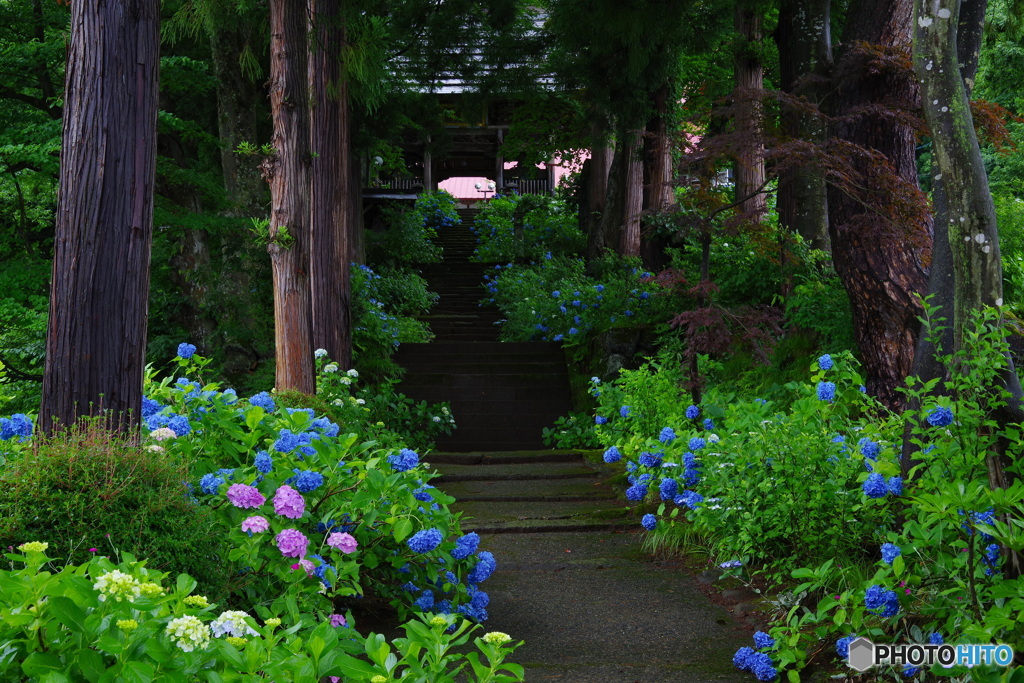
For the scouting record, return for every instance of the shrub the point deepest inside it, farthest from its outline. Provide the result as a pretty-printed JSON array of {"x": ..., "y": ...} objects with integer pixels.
[
  {"x": 409, "y": 234},
  {"x": 87, "y": 488},
  {"x": 527, "y": 227}
]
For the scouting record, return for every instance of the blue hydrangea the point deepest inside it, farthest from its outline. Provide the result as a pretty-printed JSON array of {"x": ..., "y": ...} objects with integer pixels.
[
  {"x": 404, "y": 461},
  {"x": 697, "y": 443},
  {"x": 649, "y": 521},
  {"x": 869, "y": 449},
  {"x": 636, "y": 492},
  {"x": 624, "y": 411},
  {"x": 763, "y": 641},
  {"x": 150, "y": 407},
  {"x": 936, "y": 638},
  {"x": 209, "y": 483},
  {"x": 667, "y": 435},
  {"x": 910, "y": 671},
  {"x": 422, "y": 494},
  {"x": 742, "y": 657},
  {"x": 179, "y": 424},
  {"x": 895, "y": 486},
  {"x": 991, "y": 558},
  {"x": 940, "y": 416},
  {"x": 325, "y": 427},
  {"x": 890, "y": 552},
  {"x": 321, "y": 571},
  {"x": 612, "y": 455},
  {"x": 600, "y": 419},
  {"x": 485, "y": 566},
  {"x": 466, "y": 546},
  {"x": 186, "y": 350},
  {"x": 690, "y": 499},
  {"x": 263, "y": 462},
  {"x": 874, "y": 486},
  {"x": 263, "y": 400},
  {"x": 987, "y": 517},
  {"x": 709, "y": 424},
  {"x": 425, "y": 540},
  {"x": 425, "y": 601},
  {"x": 668, "y": 489},
  {"x": 305, "y": 481},
  {"x": 692, "y": 412},
  {"x": 287, "y": 441},
  {"x": 757, "y": 663},
  {"x": 825, "y": 362},
  {"x": 843, "y": 646},
  {"x": 827, "y": 391},
  {"x": 882, "y": 601},
  {"x": 556, "y": 294},
  {"x": 17, "y": 425},
  {"x": 650, "y": 459}
]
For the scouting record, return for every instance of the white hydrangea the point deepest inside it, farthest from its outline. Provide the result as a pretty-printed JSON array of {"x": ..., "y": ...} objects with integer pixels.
[
  {"x": 436, "y": 418},
  {"x": 331, "y": 367},
  {"x": 320, "y": 353},
  {"x": 188, "y": 633},
  {"x": 352, "y": 373},
  {"x": 118, "y": 585},
  {"x": 163, "y": 433},
  {"x": 232, "y": 623}
]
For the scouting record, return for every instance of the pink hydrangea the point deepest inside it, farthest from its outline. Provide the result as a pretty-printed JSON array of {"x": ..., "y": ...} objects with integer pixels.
[
  {"x": 338, "y": 620},
  {"x": 256, "y": 525},
  {"x": 288, "y": 502},
  {"x": 346, "y": 543},
  {"x": 242, "y": 496},
  {"x": 292, "y": 543}
]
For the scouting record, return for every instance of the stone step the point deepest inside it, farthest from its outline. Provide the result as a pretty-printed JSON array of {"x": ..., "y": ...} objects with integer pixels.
[
  {"x": 526, "y": 458},
  {"x": 581, "y": 489},
  {"x": 537, "y": 526},
  {"x": 503, "y": 513},
  {"x": 499, "y": 349},
  {"x": 473, "y": 366},
  {"x": 510, "y": 472}
]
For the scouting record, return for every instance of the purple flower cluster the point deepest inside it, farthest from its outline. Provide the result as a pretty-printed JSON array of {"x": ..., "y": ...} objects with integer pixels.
[
  {"x": 343, "y": 542},
  {"x": 288, "y": 502},
  {"x": 242, "y": 496},
  {"x": 292, "y": 543}
]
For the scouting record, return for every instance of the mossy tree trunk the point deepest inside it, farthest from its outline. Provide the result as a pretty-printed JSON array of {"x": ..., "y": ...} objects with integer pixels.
[
  {"x": 287, "y": 171},
  {"x": 96, "y": 335}
]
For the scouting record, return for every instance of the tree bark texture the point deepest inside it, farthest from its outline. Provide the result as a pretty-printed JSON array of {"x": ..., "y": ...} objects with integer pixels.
[
  {"x": 594, "y": 201},
  {"x": 633, "y": 192},
  {"x": 658, "y": 194},
  {"x": 330, "y": 186},
  {"x": 805, "y": 55},
  {"x": 287, "y": 172},
  {"x": 96, "y": 336},
  {"x": 881, "y": 262},
  {"x": 750, "y": 174}
]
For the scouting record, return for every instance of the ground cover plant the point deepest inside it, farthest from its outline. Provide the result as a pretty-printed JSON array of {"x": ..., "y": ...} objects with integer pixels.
[
  {"x": 305, "y": 520},
  {"x": 810, "y": 495}
]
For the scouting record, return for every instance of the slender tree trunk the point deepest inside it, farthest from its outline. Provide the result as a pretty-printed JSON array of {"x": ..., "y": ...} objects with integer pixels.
[
  {"x": 287, "y": 171},
  {"x": 96, "y": 336},
  {"x": 633, "y": 192},
  {"x": 595, "y": 199},
  {"x": 881, "y": 263},
  {"x": 658, "y": 193},
  {"x": 750, "y": 174},
  {"x": 330, "y": 184},
  {"x": 805, "y": 56}
]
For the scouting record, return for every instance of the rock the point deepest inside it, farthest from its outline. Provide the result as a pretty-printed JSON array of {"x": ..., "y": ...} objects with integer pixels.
[
  {"x": 742, "y": 609},
  {"x": 739, "y": 594},
  {"x": 709, "y": 577}
]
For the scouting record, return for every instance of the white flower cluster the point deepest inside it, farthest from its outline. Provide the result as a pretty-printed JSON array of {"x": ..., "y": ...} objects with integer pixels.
[
  {"x": 188, "y": 633},
  {"x": 162, "y": 433},
  {"x": 118, "y": 585},
  {"x": 232, "y": 623},
  {"x": 320, "y": 353}
]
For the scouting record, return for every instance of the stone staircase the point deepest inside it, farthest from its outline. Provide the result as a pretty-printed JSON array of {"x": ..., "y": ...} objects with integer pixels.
[{"x": 502, "y": 394}]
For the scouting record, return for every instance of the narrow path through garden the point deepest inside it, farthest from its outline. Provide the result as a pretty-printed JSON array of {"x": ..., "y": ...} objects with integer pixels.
[{"x": 571, "y": 580}]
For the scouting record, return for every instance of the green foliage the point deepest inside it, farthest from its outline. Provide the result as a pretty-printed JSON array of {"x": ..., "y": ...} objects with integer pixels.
[
  {"x": 1010, "y": 218},
  {"x": 575, "y": 430},
  {"x": 106, "y": 621},
  {"x": 84, "y": 486},
  {"x": 385, "y": 310},
  {"x": 408, "y": 235},
  {"x": 23, "y": 332},
  {"x": 527, "y": 227}
]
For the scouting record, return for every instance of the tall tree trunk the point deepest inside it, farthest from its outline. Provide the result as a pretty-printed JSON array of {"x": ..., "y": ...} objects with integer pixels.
[
  {"x": 633, "y": 192},
  {"x": 805, "y": 56},
  {"x": 969, "y": 217},
  {"x": 288, "y": 174},
  {"x": 595, "y": 194},
  {"x": 658, "y": 193},
  {"x": 96, "y": 336},
  {"x": 330, "y": 185},
  {"x": 881, "y": 263},
  {"x": 750, "y": 174}
]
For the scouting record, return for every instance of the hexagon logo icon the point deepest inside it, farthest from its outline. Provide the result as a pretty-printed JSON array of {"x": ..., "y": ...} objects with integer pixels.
[{"x": 862, "y": 654}]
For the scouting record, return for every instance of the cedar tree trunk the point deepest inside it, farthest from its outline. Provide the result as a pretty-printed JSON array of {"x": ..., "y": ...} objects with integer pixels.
[
  {"x": 750, "y": 175},
  {"x": 96, "y": 335},
  {"x": 288, "y": 174}
]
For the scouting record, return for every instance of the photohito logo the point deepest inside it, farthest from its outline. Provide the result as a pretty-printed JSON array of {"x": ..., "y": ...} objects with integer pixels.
[{"x": 864, "y": 654}]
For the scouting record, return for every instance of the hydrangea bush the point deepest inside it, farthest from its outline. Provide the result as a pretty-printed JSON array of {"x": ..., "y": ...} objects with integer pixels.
[
  {"x": 106, "y": 621},
  {"x": 526, "y": 227},
  {"x": 816, "y": 492}
]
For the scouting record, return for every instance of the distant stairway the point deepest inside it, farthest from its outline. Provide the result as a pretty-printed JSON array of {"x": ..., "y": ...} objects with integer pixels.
[{"x": 502, "y": 394}]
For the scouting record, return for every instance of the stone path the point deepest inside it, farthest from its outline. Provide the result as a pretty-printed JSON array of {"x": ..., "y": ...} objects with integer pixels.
[{"x": 571, "y": 579}]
